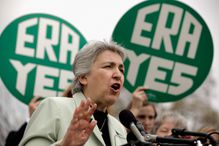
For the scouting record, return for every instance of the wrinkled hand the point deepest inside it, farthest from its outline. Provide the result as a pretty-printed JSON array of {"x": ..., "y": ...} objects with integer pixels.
[
  {"x": 138, "y": 97},
  {"x": 80, "y": 127}
]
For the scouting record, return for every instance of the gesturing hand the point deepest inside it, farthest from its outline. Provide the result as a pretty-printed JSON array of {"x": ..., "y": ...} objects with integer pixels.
[
  {"x": 138, "y": 97},
  {"x": 80, "y": 127}
]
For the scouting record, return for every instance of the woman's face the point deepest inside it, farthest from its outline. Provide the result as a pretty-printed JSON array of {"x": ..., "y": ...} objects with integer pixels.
[
  {"x": 166, "y": 127},
  {"x": 146, "y": 116},
  {"x": 105, "y": 80}
]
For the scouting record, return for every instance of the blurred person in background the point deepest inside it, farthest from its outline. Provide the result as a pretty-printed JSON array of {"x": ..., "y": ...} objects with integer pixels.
[
  {"x": 213, "y": 132},
  {"x": 14, "y": 137},
  {"x": 144, "y": 111},
  {"x": 166, "y": 121}
]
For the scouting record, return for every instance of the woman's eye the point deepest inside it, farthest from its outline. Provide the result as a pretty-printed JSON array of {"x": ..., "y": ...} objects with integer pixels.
[
  {"x": 108, "y": 66},
  {"x": 122, "y": 71}
]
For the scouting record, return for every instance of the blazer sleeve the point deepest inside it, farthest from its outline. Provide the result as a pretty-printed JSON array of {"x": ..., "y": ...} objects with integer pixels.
[{"x": 44, "y": 127}]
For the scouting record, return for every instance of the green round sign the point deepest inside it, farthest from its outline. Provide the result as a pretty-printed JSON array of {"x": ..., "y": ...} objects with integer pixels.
[
  {"x": 36, "y": 54},
  {"x": 169, "y": 49}
]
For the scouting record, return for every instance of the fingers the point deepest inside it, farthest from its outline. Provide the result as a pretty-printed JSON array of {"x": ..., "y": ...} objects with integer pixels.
[
  {"x": 142, "y": 88},
  {"x": 35, "y": 99},
  {"x": 91, "y": 126},
  {"x": 138, "y": 98},
  {"x": 33, "y": 104},
  {"x": 82, "y": 115},
  {"x": 81, "y": 127},
  {"x": 139, "y": 94},
  {"x": 85, "y": 110}
]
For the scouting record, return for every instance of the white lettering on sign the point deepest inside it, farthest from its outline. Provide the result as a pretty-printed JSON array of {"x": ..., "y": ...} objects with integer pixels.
[
  {"x": 42, "y": 75},
  {"x": 45, "y": 76},
  {"x": 165, "y": 75},
  {"x": 155, "y": 75},
  {"x": 181, "y": 79},
  {"x": 58, "y": 34},
  {"x": 44, "y": 81},
  {"x": 22, "y": 74},
  {"x": 187, "y": 37},
  {"x": 65, "y": 78},
  {"x": 54, "y": 41},
  {"x": 135, "y": 63},
  {"x": 141, "y": 25},
  {"x": 23, "y": 37},
  {"x": 158, "y": 70},
  {"x": 45, "y": 44},
  {"x": 164, "y": 34},
  {"x": 67, "y": 46}
]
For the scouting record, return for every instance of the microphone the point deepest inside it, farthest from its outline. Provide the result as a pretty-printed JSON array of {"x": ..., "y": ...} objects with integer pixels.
[
  {"x": 184, "y": 132},
  {"x": 170, "y": 140},
  {"x": 128, "y": 120}
]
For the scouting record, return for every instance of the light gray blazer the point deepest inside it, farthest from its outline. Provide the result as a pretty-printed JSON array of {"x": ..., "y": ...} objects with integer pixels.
[{"x": 50, "y": 122}]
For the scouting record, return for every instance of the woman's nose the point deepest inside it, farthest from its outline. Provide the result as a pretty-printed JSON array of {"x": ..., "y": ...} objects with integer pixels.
[{"x": 117, "y": 74}]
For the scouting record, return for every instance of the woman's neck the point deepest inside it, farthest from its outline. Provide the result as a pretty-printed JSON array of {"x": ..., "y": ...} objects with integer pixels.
[{"x": 101, "y": 108}]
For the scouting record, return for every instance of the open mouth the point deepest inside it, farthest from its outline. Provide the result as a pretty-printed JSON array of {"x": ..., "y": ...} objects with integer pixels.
[{"x": 115, "y": 87}]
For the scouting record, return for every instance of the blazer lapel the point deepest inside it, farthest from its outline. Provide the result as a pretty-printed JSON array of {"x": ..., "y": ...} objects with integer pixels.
[
  {"x": 98, "y": 134},
  {"x": 116, "y": 137}
]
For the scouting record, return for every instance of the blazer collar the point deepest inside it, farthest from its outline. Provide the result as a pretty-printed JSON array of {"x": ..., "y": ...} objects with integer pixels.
[{"x": 78, "y": 97}]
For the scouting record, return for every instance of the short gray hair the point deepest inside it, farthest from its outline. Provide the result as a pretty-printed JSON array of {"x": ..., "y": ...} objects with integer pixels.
[
  {"x": 87, "y": 56},
  {"x": 176, "y": 117}
]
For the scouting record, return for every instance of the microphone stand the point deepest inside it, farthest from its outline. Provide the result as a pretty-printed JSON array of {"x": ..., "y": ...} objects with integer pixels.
[
  {"x": 184, "y": 132},
  {"x": 171, "y": 144}
]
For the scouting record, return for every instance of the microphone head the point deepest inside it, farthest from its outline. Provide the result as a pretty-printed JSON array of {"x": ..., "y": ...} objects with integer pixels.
[
  {"x": 126, "y": 118},
  {"x": 131, "y": 137}
]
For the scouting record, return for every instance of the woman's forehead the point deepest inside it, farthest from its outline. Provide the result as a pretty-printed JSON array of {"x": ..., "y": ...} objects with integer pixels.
[{"x": 108, "y": 55}]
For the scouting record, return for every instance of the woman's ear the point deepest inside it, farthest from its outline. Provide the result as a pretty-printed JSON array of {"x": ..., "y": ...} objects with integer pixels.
[{"x": 83, "y": 80}]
